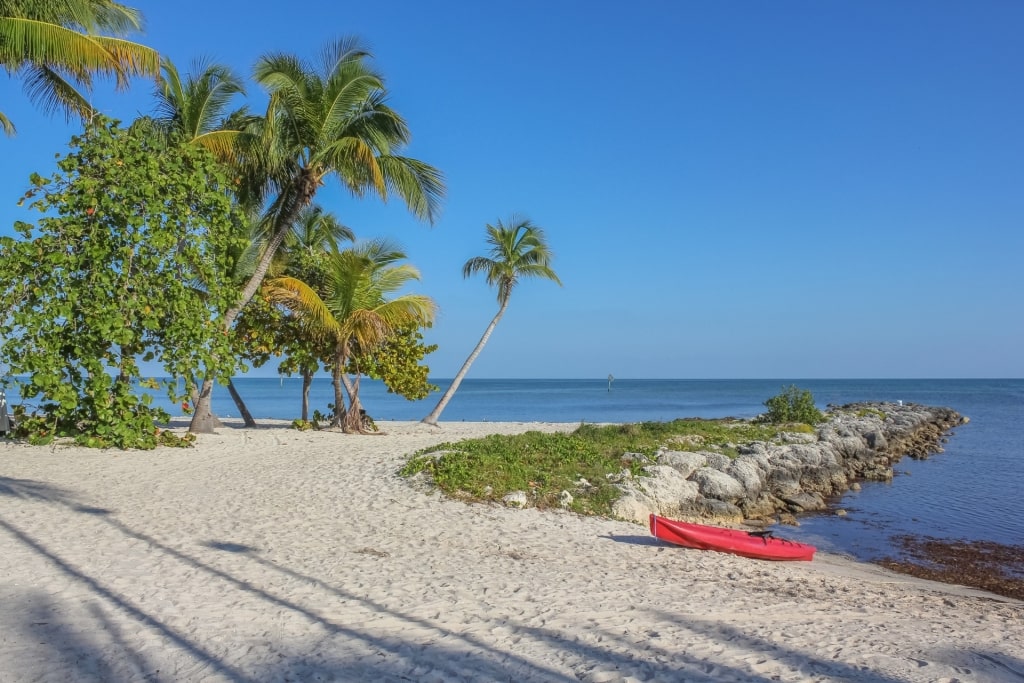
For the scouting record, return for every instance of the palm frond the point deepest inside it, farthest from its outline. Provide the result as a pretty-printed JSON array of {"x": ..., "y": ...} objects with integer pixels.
[
  {"x": 518, "y": 249},
  {"x": 52, "y": 93},
  {"x": 220, "y": 142},
  {"x": 419, "y": 184},
  {"x": 7, "y": 125},
  {"x": 29, "y": 41},
  {"x": 297, "y": 296}
]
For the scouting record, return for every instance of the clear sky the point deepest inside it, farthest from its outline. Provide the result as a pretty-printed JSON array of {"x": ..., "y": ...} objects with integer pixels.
[{"x": 791, "y": 189}]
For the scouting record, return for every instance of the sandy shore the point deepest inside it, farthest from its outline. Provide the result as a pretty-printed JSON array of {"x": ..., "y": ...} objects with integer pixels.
[{"x": 277, "y": 555}]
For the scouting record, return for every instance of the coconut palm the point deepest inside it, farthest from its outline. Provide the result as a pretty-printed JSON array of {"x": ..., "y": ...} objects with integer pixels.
[
  {"x": 519, "y": 250},
  {"x": 315, "y": 234},
  {"x": 198, "y": 106},
  {"x": 354, "y": 311},
  {"x": 57, "y": 47},
  {"x": 325, "y": 119}
]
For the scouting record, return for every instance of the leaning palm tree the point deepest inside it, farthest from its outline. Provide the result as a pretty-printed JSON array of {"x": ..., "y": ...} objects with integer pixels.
[
  {"x": 518, "y": 250},
  {"x": 354, "y": 311},
  {"x": 57, "y": 47},
  {"x": 325, "y": 119}
]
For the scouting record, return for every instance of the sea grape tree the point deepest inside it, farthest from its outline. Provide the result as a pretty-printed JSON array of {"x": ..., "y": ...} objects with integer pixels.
[{"x": 127, "y": 265}]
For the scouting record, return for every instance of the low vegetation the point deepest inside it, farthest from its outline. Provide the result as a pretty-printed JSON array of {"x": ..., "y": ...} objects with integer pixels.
[
  {"x": 868, "y": 412},
  {"x": 586, "y": 462}
]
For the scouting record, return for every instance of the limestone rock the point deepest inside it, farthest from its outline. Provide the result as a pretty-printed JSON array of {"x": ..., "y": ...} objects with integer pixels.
[
  {"x": 717, "y": 485},
  {"x": 633, "y": 506},
  {"x": 805, "y": 502},
  {"x": 747, "y": 471},
  {"x": 516, "y": 499},
  {"x": 667, "y": 488},
  {"x": 685, "y": 462}
]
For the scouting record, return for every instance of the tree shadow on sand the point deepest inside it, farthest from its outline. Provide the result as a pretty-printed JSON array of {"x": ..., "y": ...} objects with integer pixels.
[{"x": 444, "y": 654}]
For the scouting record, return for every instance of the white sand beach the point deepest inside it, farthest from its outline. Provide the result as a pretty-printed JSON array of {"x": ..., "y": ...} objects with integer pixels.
[{"x": 277, "y": 555}]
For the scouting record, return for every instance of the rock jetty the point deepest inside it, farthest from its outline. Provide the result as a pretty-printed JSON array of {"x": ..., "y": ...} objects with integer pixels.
[{"x": 775, "y": 481}]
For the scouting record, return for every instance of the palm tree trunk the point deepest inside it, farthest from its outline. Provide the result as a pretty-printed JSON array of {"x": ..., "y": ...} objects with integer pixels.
[
  {"x": 203, "y": 420},
  {"x": 240, "y": 404},
  {"x": 339, "y": 378},
  {"x": 435, "y": 414},
  {"x": 307, "y": 382},
  {"x": 339, "y": 398},
  {"x": 353, "y": 423}
]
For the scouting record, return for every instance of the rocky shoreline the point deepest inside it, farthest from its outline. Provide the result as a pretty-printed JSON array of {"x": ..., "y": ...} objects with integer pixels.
[{"x": 776, "y": 481}]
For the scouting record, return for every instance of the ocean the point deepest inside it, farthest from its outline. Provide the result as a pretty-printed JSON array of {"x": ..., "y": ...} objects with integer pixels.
[{"x": 970, "y": 491}]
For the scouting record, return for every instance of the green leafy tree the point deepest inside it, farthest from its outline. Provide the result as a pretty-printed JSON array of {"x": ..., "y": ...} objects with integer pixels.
[
  {"x": 519, "y": 249},
  {"x": 325, "y": 119},
  {"x": 397, "y": 363},
  {"x": 196, "y": 110},
  {"x": 58, "y": 47},
  {"x": 108, "y": 278},
  {"x": 355, "y": 311}
]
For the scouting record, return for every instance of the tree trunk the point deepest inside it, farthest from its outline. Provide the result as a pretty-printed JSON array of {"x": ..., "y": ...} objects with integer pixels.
[
  {"x": 435, "y": 414},
  {"x": 337, "y": 377},
  {"x": 203, "y": 421},
  {"x": 240, "y": 404},
  {"x": 307, "y": 382},
  {"x": 353, "y": 423}
]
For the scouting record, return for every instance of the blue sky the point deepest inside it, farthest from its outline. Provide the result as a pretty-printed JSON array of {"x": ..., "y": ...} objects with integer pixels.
[{"x": 793, "y": 189}]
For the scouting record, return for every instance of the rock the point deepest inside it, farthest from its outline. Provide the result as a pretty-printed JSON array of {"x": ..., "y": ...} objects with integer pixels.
[
  {"x": 798, "y": 437},
  {"x": 805, "y": 502},
  {"x": 770, "y": 478},
  {"x": 722, "y": 512},
  {"x": 633, "y": 506},
  {"x": 667, "y": 488},
  {"x": 717, "y": 485},
  {"x": 718, "y": 461},
  {"x": 762, "y": 507},
  {"x": 685, "y": 462},
  {"x": 516, "y": 499},
  {"x": 876, "y": 440},
  {"x": 565, "y": 499},
  {"x": 746, "y": 471}
]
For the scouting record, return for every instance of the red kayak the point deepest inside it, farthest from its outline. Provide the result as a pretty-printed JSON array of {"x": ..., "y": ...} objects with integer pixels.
[{"x": 760, "y": 545}]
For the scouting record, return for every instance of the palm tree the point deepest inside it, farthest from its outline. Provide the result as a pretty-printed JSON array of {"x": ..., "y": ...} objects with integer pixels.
[
  {"x": 315, "y": 234},
  {"x": 325, "y": 119},
  {"x": 518, "y": 250},
  {"x": 354, "y": 311},
  {"x": 57, "y": 48},
  {"x": 198, "y": 106}
]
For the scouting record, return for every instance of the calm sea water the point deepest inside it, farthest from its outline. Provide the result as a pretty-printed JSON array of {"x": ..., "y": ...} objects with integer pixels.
[{"x": 971, "y": 491}]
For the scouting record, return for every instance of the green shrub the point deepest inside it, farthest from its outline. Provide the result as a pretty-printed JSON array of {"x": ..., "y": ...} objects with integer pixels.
[{"x": 792, "y": 405}]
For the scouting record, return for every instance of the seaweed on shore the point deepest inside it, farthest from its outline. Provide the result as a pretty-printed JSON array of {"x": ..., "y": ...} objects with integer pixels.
[{"x": 987, "y": 565}]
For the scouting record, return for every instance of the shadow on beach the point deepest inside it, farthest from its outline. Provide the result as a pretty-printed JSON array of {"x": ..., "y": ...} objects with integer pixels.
[{"x": 438, "y": 652}]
